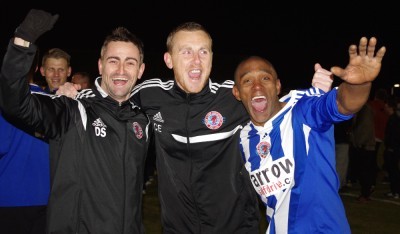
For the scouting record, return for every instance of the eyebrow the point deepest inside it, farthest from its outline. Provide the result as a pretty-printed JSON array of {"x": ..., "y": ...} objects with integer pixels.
[{"x": 118, "y": 58}]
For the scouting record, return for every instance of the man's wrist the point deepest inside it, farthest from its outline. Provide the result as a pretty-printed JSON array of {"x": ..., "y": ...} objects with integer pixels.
[{"x": 21, "y": 42}]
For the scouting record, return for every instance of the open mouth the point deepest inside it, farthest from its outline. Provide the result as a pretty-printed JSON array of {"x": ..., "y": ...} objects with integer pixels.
[
  {"x": 119, "y": 81},
  {"x": 259, "y": 103},
  {"x": 195, "y": 74}
]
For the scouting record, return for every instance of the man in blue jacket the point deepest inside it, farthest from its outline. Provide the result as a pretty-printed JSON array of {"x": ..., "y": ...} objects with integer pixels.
[{"x": 24, "y": 173}]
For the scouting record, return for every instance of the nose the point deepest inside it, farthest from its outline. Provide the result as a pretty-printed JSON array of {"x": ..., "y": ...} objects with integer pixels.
[
  {"x": 120, "y": 68},
  {"x": 196, "y": 57},
  {"x": 256, "y": 84}
]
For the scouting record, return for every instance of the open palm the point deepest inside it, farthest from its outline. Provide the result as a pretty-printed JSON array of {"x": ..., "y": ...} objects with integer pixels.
[{"x": 364, "y": 65}]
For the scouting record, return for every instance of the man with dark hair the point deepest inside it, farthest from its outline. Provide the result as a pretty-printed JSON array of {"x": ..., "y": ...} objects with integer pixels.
[
  {"x": 83, "y": 79},
  {"x": 288, "y": 146},
  {"x": 98, "y": 141}
]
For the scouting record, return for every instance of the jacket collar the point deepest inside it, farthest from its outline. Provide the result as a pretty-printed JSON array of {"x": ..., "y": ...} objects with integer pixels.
[{"x": 192, "y": 96}]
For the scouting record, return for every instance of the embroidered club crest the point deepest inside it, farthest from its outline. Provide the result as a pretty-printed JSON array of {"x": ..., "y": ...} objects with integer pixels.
[
  {"x": 263, "y": 149},
  {"x": 213, "y": 120},
  {"x": 138, "y": 130}
]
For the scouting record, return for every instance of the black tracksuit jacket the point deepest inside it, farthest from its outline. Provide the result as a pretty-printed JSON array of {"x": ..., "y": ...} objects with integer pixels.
[
  {"x": 203, "y": 184},
  {"x": 97, "y": 151}
]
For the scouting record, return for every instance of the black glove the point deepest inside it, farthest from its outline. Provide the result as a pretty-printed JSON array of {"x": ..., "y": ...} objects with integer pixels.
[{"x": 35, "y": 24}]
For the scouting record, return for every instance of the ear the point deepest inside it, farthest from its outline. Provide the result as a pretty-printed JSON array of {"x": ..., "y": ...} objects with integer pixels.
[
  {"x": 235, "y": 92},
  {"x": 42, "y": 71},
  {"x": 168, "y": 60},
  {"x": 141, "y": 70},
  {"x": 100, "y": 66},
  {"x": 278, "y": 86},
  {"x": 69, "y": 71}
]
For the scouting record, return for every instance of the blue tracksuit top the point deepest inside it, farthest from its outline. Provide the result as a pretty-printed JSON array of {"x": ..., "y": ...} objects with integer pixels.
[{"x": 24, "y": 166}]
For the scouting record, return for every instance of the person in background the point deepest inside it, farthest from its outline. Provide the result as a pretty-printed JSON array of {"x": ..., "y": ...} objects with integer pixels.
[
  {"x": 24, "y": 173},
  {"x": 362, "y": 151},
  {"x": 392, "y": 146},
  {"x": 83, "y": 79},
  {"x": 98, "y": 141},
  {"x": 55, "y": 68},
  {"x": 342, "y": 144},
  {"x": 288, "y": 146},
  {"x": 380, "y": 120}
]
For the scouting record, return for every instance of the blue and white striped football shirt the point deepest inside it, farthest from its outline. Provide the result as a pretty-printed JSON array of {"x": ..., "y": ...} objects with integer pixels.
[{"x": 291, "y": 161}]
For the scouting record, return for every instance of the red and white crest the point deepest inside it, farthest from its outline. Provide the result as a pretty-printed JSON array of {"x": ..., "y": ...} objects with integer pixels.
[
  {"x": 213, "y": 120},
  {"x": 138, "y": 130},
  {"x": 263, "y": 149}
]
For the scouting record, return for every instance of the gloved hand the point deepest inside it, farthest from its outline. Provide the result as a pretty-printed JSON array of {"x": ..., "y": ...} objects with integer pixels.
[{"x": 35, "y": 24}]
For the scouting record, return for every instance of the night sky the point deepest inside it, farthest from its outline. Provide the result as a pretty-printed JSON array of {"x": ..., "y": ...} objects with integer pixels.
[{"x": 293, "y": 36}]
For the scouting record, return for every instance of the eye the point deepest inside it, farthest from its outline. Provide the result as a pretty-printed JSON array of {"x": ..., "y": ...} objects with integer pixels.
[
  {"x": 246, "y": 81},
  {"x": 266, "y": 78},
  {"x": 203, "y": 52},
  {"x": 186, "y": 52},
  {"x": 131, "y": 63}
]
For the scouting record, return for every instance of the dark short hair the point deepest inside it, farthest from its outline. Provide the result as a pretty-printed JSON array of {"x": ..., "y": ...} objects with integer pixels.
[
  {"x": 82, "y": 73},
  {"x": 123, "y": 34}
]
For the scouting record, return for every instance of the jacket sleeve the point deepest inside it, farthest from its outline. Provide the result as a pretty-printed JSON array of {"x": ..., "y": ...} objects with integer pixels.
[{"x": 42, "y": 112}]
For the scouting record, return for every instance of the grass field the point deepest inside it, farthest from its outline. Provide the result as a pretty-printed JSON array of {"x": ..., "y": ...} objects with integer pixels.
[{"x": 378, "y": 216}]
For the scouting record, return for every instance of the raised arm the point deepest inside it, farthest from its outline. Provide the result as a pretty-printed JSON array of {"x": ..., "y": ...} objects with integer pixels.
[
  {"x": 19, "y": 57},
  {"x": 16, "y": 99},
  {"x": 363, "y": 68}
]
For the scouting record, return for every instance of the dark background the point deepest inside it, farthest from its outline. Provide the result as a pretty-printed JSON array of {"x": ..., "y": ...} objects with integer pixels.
[{"x": 292, "y": 35}]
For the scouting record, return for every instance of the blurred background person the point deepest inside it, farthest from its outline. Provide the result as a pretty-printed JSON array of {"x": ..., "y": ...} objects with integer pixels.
[
  {"x": 56, "y": 68},
  {"x": 362, "y": 151},
  {"x": 392, "y": 147},
  {"x": 342, "y": 130},
  {"x": 82, "y": 78},
  {"x": 24, "y": 174},
  {"x": 380, "y": 120}
]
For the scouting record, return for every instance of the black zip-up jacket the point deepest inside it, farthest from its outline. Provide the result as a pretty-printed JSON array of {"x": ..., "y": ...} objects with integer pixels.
[
  {"x": 203, "y": 184},
  {"x": 97, "y": 151}
]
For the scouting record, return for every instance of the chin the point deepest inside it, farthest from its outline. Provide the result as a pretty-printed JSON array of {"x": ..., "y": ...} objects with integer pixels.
[{"x": 259, "y": 119}]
